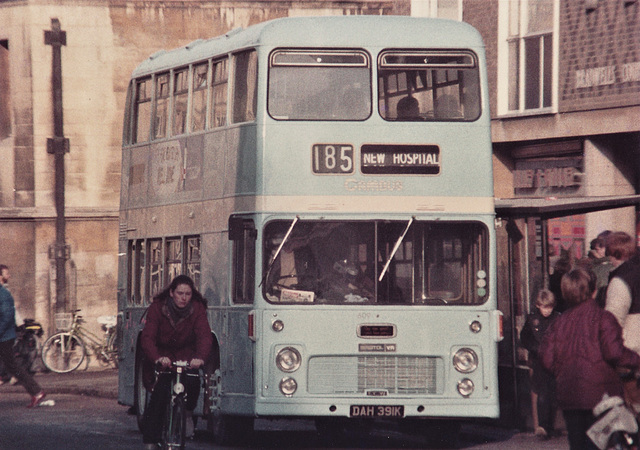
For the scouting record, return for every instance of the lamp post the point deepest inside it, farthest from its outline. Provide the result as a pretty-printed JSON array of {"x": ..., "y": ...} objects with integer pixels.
[{"x": 58, "y": 146}]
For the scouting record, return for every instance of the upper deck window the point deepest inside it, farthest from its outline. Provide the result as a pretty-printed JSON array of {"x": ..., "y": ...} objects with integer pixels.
[
  {"x": 142, "y": 114},
  {"x": 162, "y": 106},
  {"x": 199, "y": 102},
  {"x": 180, "y": 98},
  {"x": 319, "y": 85},
  {"x": 245, "y": 86},
  {"x": 220, "y": 87},
  {"x": 428, "y": 86}
]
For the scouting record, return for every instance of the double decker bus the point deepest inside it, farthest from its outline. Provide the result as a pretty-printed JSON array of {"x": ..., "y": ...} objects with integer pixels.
[{"x": 327, "y": 183}]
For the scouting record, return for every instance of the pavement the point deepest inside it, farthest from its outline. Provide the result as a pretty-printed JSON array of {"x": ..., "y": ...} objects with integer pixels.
[
  {"x": 94, "y": 382},
  {"x": 100, "y": 382}
]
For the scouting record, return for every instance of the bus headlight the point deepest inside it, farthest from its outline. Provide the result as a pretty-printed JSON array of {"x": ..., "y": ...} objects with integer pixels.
[
  {"x": 288, "y": 359},
  {"x": 288, "y": 386},
  {"x": 465, "y": 360},
  {"x": 465, "y": 387}
]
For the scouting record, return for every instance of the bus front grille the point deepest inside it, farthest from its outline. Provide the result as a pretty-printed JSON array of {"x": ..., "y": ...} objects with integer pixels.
[{"x": 403, "y": 375}]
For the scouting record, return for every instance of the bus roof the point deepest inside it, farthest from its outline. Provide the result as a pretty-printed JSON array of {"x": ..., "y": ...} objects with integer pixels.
[{"x": 323, "y": 31}]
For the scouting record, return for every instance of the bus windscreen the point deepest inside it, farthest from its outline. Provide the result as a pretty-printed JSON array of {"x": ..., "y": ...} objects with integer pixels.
[{"x": 379, "y": 262}]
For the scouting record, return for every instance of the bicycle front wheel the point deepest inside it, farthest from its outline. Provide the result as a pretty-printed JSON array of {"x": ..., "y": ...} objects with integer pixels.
[
  {"x": 173, "y": 434},
  {"x": 63, "y": 352}
]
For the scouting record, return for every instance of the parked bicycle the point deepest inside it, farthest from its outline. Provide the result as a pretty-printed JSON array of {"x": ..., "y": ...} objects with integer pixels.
[
  {"x": 65, "y": 351},
  {"x": 175, "y": 419},
  {"x": 27, "y": 344}
]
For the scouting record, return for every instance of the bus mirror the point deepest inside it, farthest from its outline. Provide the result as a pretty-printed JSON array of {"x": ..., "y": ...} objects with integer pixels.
[{"x": 236, "y": 228}]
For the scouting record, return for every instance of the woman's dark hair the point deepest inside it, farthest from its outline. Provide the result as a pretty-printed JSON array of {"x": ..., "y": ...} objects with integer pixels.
[
  {"x": 578, "y": 286},
  {"x": 177, "y": 281}
]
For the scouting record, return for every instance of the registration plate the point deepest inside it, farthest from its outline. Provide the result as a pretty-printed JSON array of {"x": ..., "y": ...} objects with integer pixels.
[{"x": 376, "y": 411}]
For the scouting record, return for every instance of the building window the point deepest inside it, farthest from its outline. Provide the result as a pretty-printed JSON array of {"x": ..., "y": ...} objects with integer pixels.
[
  {"x": 5, "y": 108},
  {"x": 527, "y": 43}
]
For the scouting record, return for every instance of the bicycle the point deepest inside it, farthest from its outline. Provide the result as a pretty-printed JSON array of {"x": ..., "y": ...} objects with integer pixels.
[
  {"x": 175, "y": 418},
  {"x": 27, "y": 346},
  {"x": 65, "y": 351}
]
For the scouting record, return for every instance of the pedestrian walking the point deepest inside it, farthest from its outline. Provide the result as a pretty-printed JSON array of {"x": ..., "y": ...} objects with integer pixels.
[
  {"x": 582, "y": 349},
  {"x": 7, "y": 338},
  {"x": 623, "y": 298}
]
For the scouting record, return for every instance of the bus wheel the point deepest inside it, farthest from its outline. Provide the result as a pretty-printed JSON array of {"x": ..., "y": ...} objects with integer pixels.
[
  {"x": 140, "y": 394},
  {"x": 226, "y": 429}
]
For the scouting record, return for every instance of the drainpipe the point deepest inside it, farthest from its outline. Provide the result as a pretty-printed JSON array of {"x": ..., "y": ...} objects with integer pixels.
[{"x": 58, "y": 146}]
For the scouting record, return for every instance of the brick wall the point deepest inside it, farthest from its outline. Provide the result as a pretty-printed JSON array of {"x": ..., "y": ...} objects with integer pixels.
[
  {"x": 599, "y": 61},
  {"x": 483, "y": 15}
]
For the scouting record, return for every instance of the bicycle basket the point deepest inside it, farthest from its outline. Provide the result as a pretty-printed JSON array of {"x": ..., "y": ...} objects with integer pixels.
[{"x": 63, "y": 321}]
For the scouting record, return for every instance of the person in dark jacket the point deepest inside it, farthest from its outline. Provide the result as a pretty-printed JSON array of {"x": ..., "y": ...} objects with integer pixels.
[
  {"x": 582, "y": 349},
  {"x": 176, "y": 329},
  {"x": 542, "y": 382},
  {"x": 7, "y": 339},
  {"x": 623, "y": 298}
]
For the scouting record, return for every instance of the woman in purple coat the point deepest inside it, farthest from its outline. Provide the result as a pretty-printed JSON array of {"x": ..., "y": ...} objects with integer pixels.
[
  {"x": 176, "y": 329},
  {"x": 582, "y": 349}
]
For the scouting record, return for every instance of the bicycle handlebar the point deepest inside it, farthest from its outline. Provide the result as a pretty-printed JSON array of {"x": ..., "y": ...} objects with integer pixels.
[{"x": 175, "y": 366}]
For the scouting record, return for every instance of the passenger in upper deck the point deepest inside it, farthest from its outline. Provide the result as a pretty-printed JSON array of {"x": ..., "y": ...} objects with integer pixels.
[
  {"x": 446, "y": 107},
  {"x": 408, "y": 108}
]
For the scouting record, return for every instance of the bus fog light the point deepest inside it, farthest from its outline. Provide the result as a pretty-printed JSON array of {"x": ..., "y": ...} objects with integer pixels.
[
  {"x": 465, "y": 360},
  {"x": 465, "y": 387},
  {"x": 288, "y": 359},
  {"x": 277, "y": 326},
  {"x": 288, "y": 386},
  {"x": 178, "y": 388}
]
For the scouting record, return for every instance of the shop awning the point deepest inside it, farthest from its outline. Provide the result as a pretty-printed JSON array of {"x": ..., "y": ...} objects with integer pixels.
[{"x": 551, "y": 207}]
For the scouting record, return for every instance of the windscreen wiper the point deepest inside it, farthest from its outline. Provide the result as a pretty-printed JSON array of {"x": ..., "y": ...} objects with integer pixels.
[
  {"x": 395, "y": 249},
  {"x": 275, "y": 257}
]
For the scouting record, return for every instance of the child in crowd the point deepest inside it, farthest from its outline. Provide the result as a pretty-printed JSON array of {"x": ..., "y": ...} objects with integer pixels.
[
  {"x": 542, "y": 382},
  {"x": 582, "y": 349}
]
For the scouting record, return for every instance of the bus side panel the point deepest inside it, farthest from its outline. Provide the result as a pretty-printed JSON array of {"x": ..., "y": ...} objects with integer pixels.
[{"x": 131, "y": 328}]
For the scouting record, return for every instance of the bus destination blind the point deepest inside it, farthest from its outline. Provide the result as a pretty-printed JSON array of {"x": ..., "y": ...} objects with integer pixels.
[{"x": 400, "y": 159}]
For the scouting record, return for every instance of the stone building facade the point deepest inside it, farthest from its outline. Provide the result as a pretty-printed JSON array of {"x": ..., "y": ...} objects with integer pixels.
[{"x": 105, "y": 40}]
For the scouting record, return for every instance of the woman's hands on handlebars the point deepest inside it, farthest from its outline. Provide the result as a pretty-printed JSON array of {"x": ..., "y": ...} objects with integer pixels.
[
  {"x": 165, "y": 362},
  {"x": 196, "y": 363}
]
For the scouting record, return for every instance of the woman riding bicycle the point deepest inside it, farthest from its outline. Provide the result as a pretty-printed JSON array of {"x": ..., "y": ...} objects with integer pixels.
[{"x": 176, "y": 329}]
